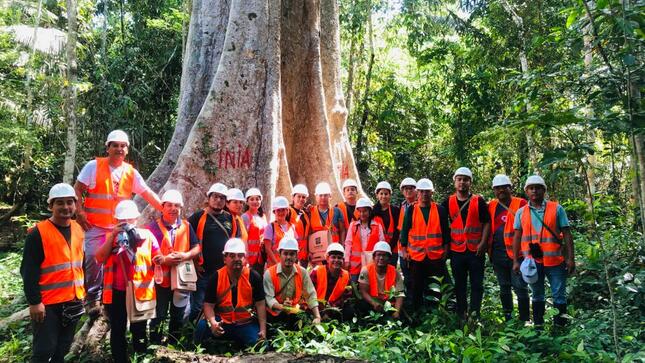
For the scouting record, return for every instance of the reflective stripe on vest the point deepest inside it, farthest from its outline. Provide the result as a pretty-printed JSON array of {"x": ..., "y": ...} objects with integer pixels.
[
  {"x": 509, "y": 230},
  {"x": 425, "y": 239},
  {"x": 468, "y": 235},
  {"x": 316, "y": 223},
  {"x": 278, "y": 235},
  {"x": 255, "y": 231},
  {"x": 275, "y": 279},
  {"x": 551, "y": 246},
  {"x": 390, "y": 279},
  {"x": 61, "y": 272},
  {"x": 101, "y": 200},
  {"x": 300, "y": 220},
  {"x": 343, "y": 209},
  {"x": 181, "y": 243},
  {"x": 355, "y": 261},
  {"x": 142, "y": 278},
  {"x": 321, "y": 286},
  {"x": 224, "y": 302}
]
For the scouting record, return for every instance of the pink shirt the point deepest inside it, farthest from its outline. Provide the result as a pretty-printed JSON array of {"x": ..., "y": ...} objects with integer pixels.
[{"x": 120, "y": 280}]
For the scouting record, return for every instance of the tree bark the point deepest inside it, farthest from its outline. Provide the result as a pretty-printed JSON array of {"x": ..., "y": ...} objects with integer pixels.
[
  {"x": 273, "y": 113},
  {"x": 70, "y": 93}
]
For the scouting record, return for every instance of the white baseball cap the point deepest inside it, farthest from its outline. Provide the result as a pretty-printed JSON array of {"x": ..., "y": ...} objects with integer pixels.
[
  {"x": 117, "y": 136},
  {"x": 529, "y": 271},
  {"x": 61, "y": 190}
]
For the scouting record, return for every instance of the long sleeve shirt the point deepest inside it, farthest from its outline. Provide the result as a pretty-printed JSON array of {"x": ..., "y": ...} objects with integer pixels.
[{"x": 308, "y": 289}]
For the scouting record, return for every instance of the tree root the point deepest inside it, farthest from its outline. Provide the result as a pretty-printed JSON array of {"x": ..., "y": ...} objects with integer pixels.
[{"x": 168, "y": 355}]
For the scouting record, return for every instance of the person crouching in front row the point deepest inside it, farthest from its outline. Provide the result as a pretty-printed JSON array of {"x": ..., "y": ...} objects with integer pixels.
[
  {"x": 379, "y": 282},
  {"x": 234, "y": 303},
  {"x": 128, "y": 254}
]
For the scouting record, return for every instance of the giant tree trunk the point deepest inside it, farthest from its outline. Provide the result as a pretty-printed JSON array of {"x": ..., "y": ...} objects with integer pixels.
[{"x": 266, "y": 99}]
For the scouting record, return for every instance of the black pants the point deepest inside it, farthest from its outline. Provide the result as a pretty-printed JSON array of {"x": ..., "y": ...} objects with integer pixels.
[
  {"x": 177, "y": 317},
  {"x": 467, "y": 265},
  {"x": 51, "y": 339},
  {"x": 422, "y": 273},
  {"x": 118, "y": 323}
]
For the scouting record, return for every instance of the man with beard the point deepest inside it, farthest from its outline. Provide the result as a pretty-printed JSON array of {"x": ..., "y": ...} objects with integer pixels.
[{"x": 233, "y": 296}]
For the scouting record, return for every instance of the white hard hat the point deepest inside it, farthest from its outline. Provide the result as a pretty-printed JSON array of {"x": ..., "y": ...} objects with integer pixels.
[
  {"x": 383, "y": 247},
  {"x": 323, "y": 188},
  {"x": 349, "y": 183},
  {"x": 118, "y": 136},
  {"x": 383, "y": 185},
  {"x": 234, "y": 245},
  {"x": 501, "y": 179},
  {"x": 288, "y": 244},
  {"x": 534, "y": 180},
  {"x": 407, "y": 182},
  {"x": 218, "y": 188},
  {"x": 280, "y": 203},
  {"x": 300, "y": 189},
  {"x": 172, "y": 196},
  {"x": 335, "y": 247},
  {"x": 126, "y": 209},
  {"x": 464, "y": 171},
  {"x": 61, "y": 190},
  {"x": 235, "y": 194},
  {"x": 425, "y": 184},
  {"x": 253, "y": 192},
  {"x": 364, "y": 203}
]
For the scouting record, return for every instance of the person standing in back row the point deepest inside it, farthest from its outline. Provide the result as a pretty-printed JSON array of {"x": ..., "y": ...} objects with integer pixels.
[
  {"x": 101, "y": 184},
  {"x": 469, "y": 229}
]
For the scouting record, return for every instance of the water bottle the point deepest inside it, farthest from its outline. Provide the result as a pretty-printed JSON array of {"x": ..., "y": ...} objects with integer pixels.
[{"x": 158, "y": 274}]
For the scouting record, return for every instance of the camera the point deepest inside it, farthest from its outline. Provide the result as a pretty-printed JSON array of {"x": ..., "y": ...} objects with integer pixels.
[{"x": 129, "y": 236}]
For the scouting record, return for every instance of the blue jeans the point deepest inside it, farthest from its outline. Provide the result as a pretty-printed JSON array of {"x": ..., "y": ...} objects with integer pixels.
[
  {"x": 93, "y": 270},
  {"x": 557, "y": 276},
  {"x": 197, "y": 297},
  {"x": 245, "y": 334},
  {"x": 507, "y": 279}
]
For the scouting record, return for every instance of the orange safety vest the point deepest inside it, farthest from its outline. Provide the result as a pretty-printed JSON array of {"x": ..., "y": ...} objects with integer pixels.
[
  {"x": 253, "y": 245},
  {"x": 181, "y": 244},
  {"x": 224, "y": 301},
  {"x": 316, "y": 223},
  {"x": 470, "y": 234},
  {"x": 402, "y": 211},
  {"x": 278, "y": 235},
  {"x": 101, "y": 200},
  {"x": 200, "y": 232},
  {"x": 61, "y": 272},
  {"x": 321, "y": 285},
  {"x": 425, "y": 239},
  {"x": 551, "y": 245},
  {"x": 509, "y": 231},
  {"x": 357, "y": 247},
  {"x": 143, "y": 277},
  {"x": 301, "y": 223},
  {"x": 390, "y": 279},
  {"x": 275, "y": 279},
  {"x": 343, "y": 209},
  {"x": 388, "y": 232}
]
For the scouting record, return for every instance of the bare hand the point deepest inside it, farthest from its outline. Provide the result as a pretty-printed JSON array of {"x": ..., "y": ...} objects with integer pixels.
[
  {"x": 516, "y": 267},
  {"x": 81, "y": 218},
  {"x": 262, "y": 334},
  {"x": 217, "y": 329},
  {"x": 396, "y": 315},
  {"x": 174, "y": 258},
  {"x": 481, "y": 248},
  {"x": 404, "y": 253},
  {"x": 316, "y": 320},
  {"x": 571, "y": 266},
  {"x": 37, "y": 312},
  {"x": 158, "y": 259},
  {"x": 378, "y": 307}
]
